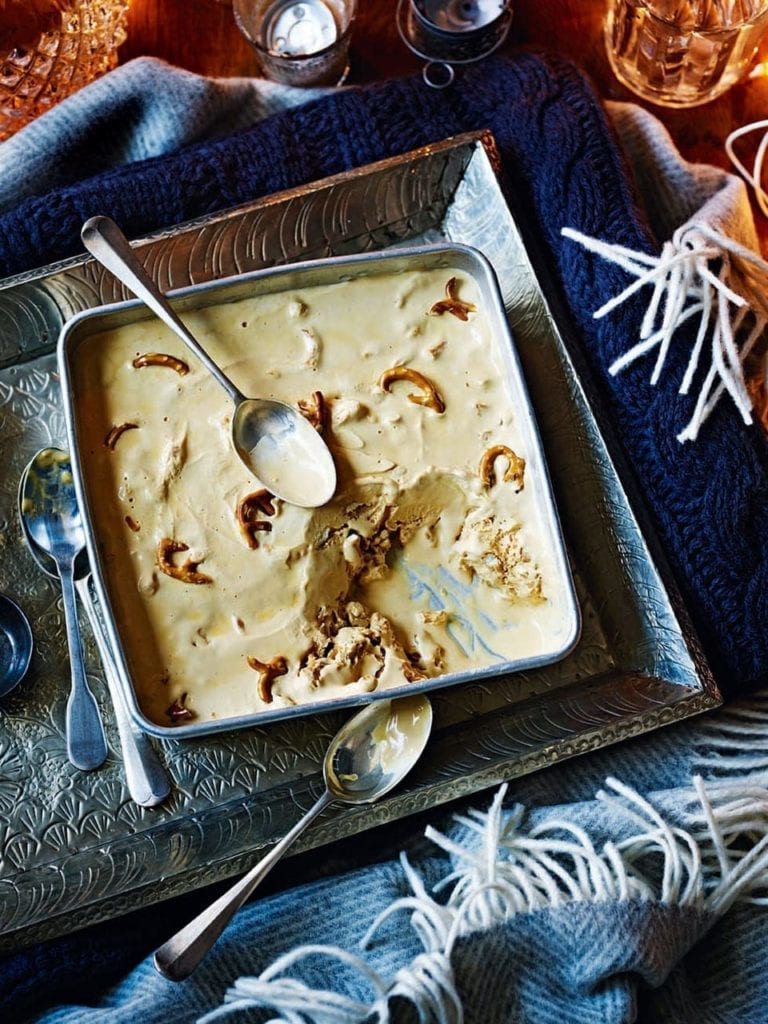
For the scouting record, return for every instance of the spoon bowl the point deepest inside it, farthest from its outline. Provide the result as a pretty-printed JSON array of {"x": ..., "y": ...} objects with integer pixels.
[
  {"x": 367, "y": 757},
  {"x": 15, "y": 645},
  {"x": 274, "y": 441},
  {"x": 375, "y": 749},
  {"x": 46, "y": 562}
]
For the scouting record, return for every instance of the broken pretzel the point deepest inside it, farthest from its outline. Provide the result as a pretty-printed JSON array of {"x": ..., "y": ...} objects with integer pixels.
[
  {"x": 268, "y": 672},
  {"x": 430, "y": 395},
  {"x": 452, "y": 303},
  {"x": 161, "y": 359},
  {"x": 116, "y": 433},
  {"x": 248, "y": 509},
  {"x": 515, "y": 467},
  {"x": 314, "y": 410},
  {"x": 178, "y": 711},
  {"x": 187, "y": 571}
]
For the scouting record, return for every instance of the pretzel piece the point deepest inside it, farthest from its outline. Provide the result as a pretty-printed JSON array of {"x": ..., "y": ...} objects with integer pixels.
[
  {"x": 187, "y": 571},
  {"x": 248, "y": 509},
  {"x": 178, "y": 711},
  {"x": 515, "y": 471},
  {"x": 268, "y": 672},
  {"x": 314, "y": 410},
  {"x": 116, "y": 433},
  {"x": 161, "y": 359},
  {"x": 452, "y": 303},
  {"x": 430, "y": 395}
]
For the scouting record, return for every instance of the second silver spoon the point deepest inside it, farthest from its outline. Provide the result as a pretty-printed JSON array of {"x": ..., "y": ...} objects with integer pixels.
[
  {"x": 49, "y": 506},
  {"x": 367, "y": 757},
  {"x": 273, "y": 439},
  {"x": 147, "y": 780}
]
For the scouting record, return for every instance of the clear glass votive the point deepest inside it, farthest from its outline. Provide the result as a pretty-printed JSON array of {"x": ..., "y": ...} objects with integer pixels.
[
  {"x": 299, "y": 42},
  {"x": 680, "y": 53},
  {"x": 50, "y": 48}
]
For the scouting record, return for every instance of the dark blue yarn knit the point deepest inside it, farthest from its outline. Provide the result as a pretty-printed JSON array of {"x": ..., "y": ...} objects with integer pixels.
[{"x": 708, "y": 500}]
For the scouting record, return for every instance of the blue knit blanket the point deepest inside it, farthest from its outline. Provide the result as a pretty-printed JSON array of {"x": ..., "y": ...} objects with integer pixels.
[{"x": 552, "y": 903}]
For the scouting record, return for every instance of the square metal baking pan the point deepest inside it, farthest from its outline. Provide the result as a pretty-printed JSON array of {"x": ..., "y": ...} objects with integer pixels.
[
  {"x": 75, "y": 849},
  {"x": 288, "y": 282}
]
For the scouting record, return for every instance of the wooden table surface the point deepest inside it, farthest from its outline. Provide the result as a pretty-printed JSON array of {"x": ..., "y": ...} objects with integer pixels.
[{"x": 201, "y": 35}]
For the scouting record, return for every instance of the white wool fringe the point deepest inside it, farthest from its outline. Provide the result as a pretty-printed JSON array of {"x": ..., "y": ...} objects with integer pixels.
[
  {"x": 721, "y": 857},
  {"x": 730, "y": 305},
  {"x": 755, "y": 177}
]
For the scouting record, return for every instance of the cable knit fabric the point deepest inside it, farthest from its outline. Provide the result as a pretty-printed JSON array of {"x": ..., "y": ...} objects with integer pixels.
[{"x": 561, "y": 167}]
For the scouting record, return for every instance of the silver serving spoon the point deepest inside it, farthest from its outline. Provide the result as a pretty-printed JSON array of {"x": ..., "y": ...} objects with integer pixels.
[
  {"x": 52, "y": 518},
  {"x": 369, "y": 755},
  {"x": 147, "y": 780},
  {"x": 273, "y": 439}
]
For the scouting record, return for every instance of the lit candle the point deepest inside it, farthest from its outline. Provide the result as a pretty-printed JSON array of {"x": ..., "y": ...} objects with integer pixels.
[{"x": 298, "y": 28}]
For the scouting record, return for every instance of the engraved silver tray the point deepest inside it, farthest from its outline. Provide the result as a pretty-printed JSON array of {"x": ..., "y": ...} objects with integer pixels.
[
  {"x": 74, "y": 849},
  {"x": 292, "y": 278}
]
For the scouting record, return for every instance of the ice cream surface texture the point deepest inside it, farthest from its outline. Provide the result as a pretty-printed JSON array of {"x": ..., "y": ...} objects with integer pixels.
[{"x": 430, "y": 560}]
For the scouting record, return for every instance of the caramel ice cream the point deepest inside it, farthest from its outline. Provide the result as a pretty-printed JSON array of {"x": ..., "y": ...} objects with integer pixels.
[{"x": 431, "y": 559}]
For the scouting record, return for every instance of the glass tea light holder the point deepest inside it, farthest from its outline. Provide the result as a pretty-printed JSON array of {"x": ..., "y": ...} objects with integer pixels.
[
  {"x": 299, "y": 42},
  {"x": 449, "y": 32},
  {"x": 681, "y": 53},
  {"x": 49, "y": 49}
]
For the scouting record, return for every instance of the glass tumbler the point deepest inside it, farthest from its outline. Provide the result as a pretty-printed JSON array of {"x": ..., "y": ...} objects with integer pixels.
[
  {"x": 50, "y": 48},
  {"x": 680, "y": 53},
  {"x": 299, "y": 42}
]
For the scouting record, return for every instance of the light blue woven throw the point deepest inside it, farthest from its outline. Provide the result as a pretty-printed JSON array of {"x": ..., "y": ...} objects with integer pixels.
[
  {"x": 547, "y": 904},
  {"x": 564, "y": 898}
]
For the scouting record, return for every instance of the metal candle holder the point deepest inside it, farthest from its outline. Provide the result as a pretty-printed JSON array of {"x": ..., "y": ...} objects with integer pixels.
[{"x": 449, "y": 32}]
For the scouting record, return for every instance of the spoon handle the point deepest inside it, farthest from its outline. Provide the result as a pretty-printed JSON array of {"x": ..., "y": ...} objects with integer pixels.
[
  {"x": 106, "y": 242},
  {"x": 147, "y": 780},
  {"x": 177, "y": 958},
  {"x": 86, "y": 743}
]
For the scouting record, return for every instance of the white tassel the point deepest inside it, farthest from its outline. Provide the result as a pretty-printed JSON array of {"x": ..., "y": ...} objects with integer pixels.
[
  {"x": 719, "y": 858},
  {"x": 684, "y": 286},
  {"x": 755, "y": 177},
  {"x": 297, "y": 1002}
]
